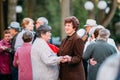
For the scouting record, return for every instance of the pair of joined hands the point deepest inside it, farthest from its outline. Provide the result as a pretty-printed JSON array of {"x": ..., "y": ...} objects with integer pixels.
[
  {"x": 65, "y": 58},
  {"x": 92, "y": 62}
]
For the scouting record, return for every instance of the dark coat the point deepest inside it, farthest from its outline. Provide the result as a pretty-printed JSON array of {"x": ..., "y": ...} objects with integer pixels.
[
  {"x": 99, "y": 50},
  {"x": 12, "y": 47},
  {"x": 72, "y": 46}
]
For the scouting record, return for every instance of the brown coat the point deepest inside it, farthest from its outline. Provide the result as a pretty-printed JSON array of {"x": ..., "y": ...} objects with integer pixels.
[{"x": 72, "y": 46}]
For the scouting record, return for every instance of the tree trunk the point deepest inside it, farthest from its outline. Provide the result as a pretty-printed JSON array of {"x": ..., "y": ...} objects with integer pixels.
[
  {"x": 12, "y": 10},
  {"x": 111, "y": 13},
  {"x": 65, "y": 12},
  {"x": 1, "y": 19},
  {"x": 30, "y": 7},
  {"x": 91, "y": 14}
]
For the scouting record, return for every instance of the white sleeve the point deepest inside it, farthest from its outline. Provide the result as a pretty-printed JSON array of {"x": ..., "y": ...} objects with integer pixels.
[
  {"x": 112, "y": 42},
  {"x": 47, "y": 55},
  {"x": 49, "y": 58},
  {"x": 18, "y": 41}
]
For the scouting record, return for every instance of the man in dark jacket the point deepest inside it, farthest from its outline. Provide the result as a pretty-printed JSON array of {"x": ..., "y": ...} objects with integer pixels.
[
  {"x": 98, "y": 50},
  {"x": 14, "y": 29}
]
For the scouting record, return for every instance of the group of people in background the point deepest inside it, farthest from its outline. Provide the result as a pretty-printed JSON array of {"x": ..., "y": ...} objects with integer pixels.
[
  {"x": 98, "y": 47},
  {"x": 27, "y": 54}
]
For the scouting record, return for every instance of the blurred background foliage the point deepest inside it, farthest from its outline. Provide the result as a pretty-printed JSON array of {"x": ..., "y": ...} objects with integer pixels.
[{"x": 52, "y": 10}]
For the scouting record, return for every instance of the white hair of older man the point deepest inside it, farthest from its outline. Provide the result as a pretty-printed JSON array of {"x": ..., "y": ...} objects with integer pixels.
[
  {"x": 103, "y": 34},
  {"x": 43, "y": 19}
]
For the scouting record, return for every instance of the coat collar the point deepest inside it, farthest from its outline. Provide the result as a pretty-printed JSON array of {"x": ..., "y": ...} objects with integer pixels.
[{"x": 71, "y": 37}]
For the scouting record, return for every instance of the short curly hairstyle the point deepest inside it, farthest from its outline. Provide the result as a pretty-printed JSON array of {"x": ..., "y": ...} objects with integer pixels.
[{"x": 74, "y": 21}]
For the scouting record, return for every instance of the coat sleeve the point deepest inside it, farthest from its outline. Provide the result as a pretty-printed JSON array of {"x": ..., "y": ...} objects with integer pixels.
[
  {"x": 1, "y": 50},
  {"x": 18, "y": 41},
  {"x": 78, "y": 51},
  {"x": 48, "y": 56},
  {"x": 88, "y": 52},
  {"x": 50, "y": 59},
  {"x": 15, "y": 61},
  {"x": 2, "y": 45}
]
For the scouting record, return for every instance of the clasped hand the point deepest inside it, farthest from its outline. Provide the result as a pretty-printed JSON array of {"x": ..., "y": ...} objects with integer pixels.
[
  {"x": 3, "y": 47},
  {"x": 92, "y": 62},
  {"x": 66, "y": 58}
]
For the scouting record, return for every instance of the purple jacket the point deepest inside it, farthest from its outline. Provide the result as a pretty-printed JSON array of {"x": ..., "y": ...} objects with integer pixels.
[{"x": 4, "y": 58}]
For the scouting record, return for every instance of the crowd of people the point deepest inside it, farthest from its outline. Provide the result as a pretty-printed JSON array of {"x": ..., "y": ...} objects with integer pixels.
[{"x": 27, "y": 54}]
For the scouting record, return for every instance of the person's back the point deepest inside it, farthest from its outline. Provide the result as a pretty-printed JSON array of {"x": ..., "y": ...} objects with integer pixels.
[
  {"x": 99, "y": 51},
  {"x": 102, "y": 50},
  {"x": 22, "y": 58},
  {"x": 24, "y": 62}
]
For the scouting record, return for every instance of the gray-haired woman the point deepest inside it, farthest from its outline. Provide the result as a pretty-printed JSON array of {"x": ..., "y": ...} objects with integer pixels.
[{"x": 44, "y": 60}]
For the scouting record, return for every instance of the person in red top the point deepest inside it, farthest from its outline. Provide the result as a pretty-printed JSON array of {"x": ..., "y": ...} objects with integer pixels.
[
  {"x": 5, "y": 70},
  {"x": 53, "y": 47}
]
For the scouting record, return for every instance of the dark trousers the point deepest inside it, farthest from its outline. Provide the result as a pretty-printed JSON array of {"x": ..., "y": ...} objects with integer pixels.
[
  {"x": 15, "y": 73},
  {"x": 5, "y": 77},
  {"x": 85, "y": 64}
]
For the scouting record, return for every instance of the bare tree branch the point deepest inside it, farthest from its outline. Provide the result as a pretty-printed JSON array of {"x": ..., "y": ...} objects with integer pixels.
[{"x": 111, "y": 13}]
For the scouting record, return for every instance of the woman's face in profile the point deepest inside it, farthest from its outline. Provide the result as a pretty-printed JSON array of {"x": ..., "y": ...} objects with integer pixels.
[
  {"x": 46, "y": 36},
  {"x": 30, "y": 26}
]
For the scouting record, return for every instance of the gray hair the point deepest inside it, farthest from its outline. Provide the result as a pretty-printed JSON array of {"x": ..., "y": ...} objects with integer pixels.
[
  {"x": 43, "y": 19},
  {"x": 27, "y": 36},
  {"x": 103, "y": 34},
  {"x": 92, "y": 30},
  {"x": 43, "y": 29}
]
